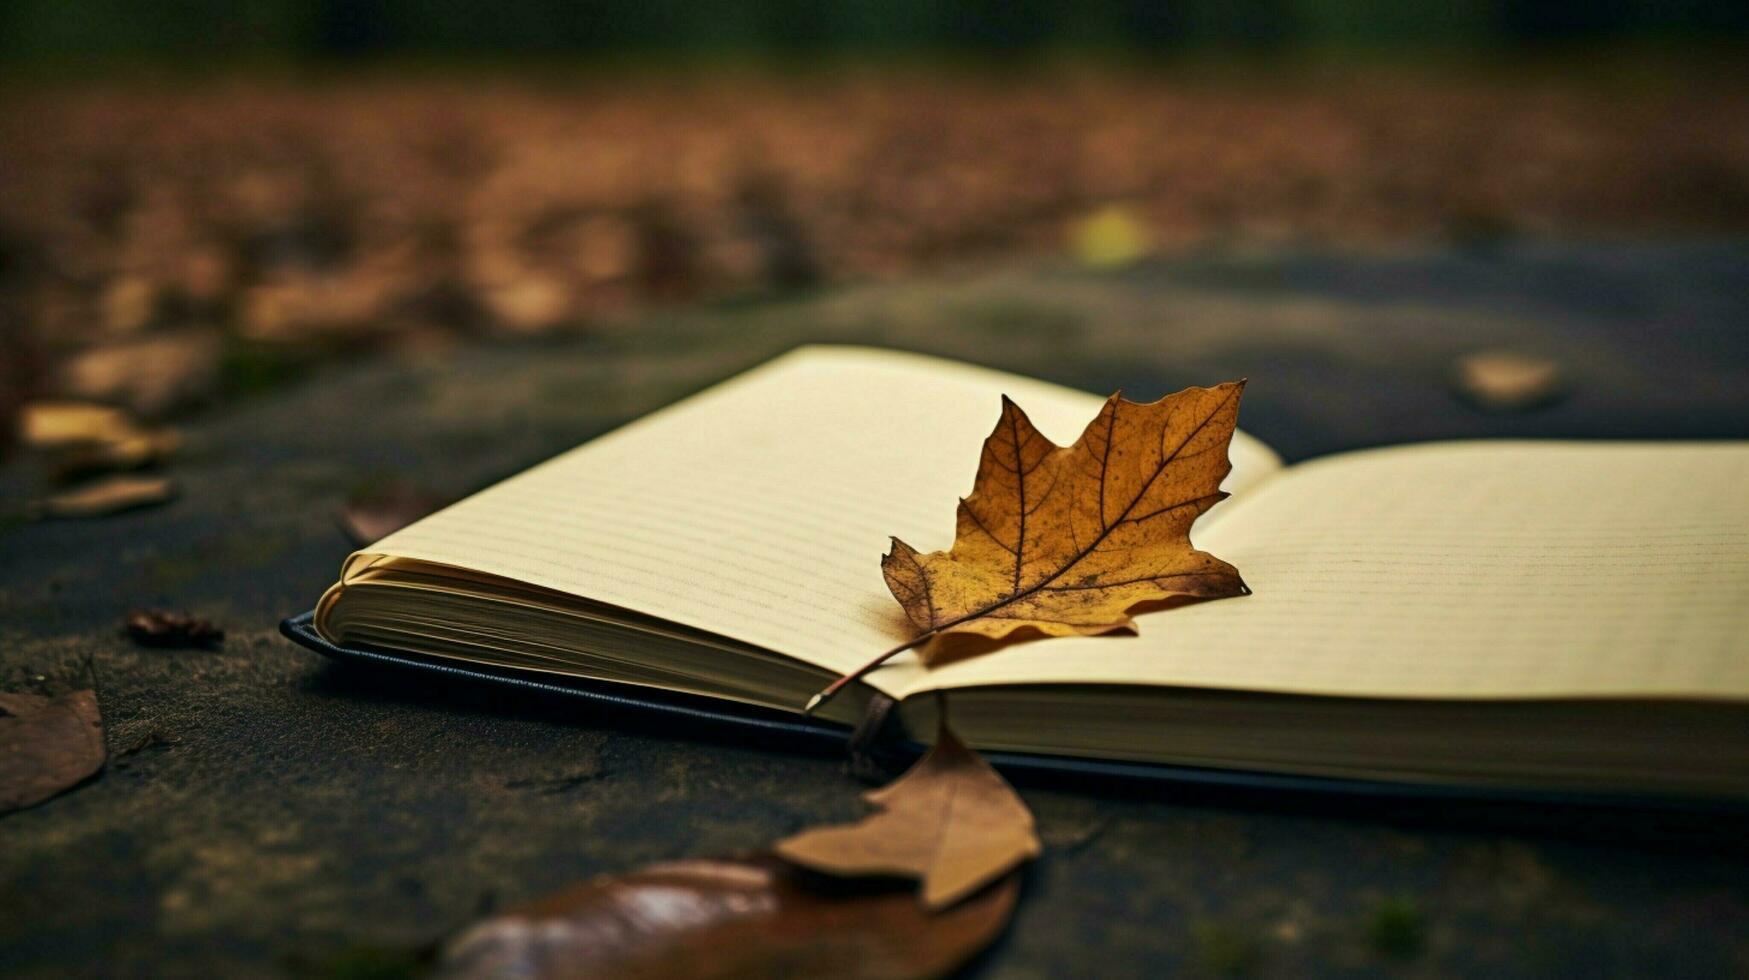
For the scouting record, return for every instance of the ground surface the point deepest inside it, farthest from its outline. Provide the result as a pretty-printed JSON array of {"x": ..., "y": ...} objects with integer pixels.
[
  {"x": 351, "y": 209},
  {"x": 266, "y": 813}
]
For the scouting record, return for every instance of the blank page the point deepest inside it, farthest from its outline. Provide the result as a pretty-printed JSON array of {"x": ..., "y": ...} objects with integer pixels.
[
  {"x": 759, "y": 510},
  {"x": 1455, "y": 570}
]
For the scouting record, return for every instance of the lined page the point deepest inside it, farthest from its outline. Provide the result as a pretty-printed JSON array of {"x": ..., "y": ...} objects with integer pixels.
[
  {"x": 759, "y": 509},
  {"x": 1456, "y": 570}
]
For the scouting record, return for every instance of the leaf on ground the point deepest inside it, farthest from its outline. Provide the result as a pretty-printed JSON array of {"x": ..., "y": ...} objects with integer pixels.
[
  {"x": 950, "y": 820},
  {"x": 1070, "y": 540},
  {"x": 744, "y": 917},
  {"x": 135, "y": 451},
  {"x": 154, "y": 374},
  {"x": 109, "y": 496},
  {"x": 58, "y": 424},
  {"x": 159, "y": 628},
  {"x": 82, "y": 438},
  {"x": 1507, "y": 381},
  {"x": 47, "y": 745},
  {"x": 373, "y": 515}
]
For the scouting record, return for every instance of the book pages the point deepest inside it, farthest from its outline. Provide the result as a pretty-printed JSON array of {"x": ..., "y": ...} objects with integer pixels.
[
  {"x": 1455, "y": 570},
  {"x": 758, "y": 510}
]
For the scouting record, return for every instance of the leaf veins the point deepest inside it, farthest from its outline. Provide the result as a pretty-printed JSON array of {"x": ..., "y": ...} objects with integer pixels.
[{"x": 1069, "y": 540}]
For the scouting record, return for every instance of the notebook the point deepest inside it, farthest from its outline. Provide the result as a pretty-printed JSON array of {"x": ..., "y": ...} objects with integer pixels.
[{"x": 1564, "y": 617}]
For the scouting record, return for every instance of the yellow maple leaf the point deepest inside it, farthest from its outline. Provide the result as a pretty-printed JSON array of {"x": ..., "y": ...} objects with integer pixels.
[{"x": 1066, "y": 540}]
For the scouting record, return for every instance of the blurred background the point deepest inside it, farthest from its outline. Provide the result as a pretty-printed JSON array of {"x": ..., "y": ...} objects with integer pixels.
[{"x": 200, "y": 200}]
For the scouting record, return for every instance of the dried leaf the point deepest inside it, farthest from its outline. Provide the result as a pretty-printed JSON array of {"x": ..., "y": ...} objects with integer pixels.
[
  {"x": 748, "y": 917},
  {"x": 81, "y": 438},
  {"x": 110, "y": 496},
  {"x": 152, "y": 375},
  {"x": 136, "y": 451},
  {"x": 1507, "y": 381},
  {"x": 158, "y": 628},
  {"x": 1068, "y": 541},
  {"x": 373, "y": 515},
  {"x": 950, "y": 820},
  {"x": 47, "y": 745},
  {"x": 58, "y": 424}
]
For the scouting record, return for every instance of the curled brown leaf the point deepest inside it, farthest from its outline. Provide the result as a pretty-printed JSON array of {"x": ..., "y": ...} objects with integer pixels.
[
  {"x": 47, "y": 745},
  {"x": 83, "y": 438},
  {"x": 158, "y": 628},
  {"x": 109, "y": 496},
  {"x": 746, "y": 917}
]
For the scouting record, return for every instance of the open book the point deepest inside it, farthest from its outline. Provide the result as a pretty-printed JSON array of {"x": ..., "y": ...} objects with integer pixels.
[{"x": 1565, "y": 616}]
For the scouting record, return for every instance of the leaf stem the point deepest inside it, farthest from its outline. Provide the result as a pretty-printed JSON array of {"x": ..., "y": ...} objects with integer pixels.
[{"x": 839, "y": 684}]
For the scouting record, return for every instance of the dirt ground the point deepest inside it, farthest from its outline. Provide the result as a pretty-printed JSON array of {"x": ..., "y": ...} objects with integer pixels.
[{"x": 367, "y": 210}]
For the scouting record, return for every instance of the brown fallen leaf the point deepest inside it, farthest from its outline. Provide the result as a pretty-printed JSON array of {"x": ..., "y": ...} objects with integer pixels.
[
  {"x": 1507, "y": 381},
  {"x": 1059, "y": 541},
  {"x": 950, "y": 820},
  {"x": 81, "y": 438},
  {"x": 373, "y": 515},
  {"x": 717, "y": 919},
  {"x": 158, "y": 628},
  {"x": 47, "y": 745},
  {"x": 108, "y": 496},
  {"x": 136, "y": 451},
  {"x": 152, "y": 375},
  {"x": 59, "y": 424}
]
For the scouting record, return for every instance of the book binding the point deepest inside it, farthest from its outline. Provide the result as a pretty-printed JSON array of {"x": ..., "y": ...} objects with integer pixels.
[{"x": 802, "y": 734}]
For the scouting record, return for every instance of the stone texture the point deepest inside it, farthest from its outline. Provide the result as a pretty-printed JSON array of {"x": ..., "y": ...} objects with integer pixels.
[{"x": 266, "y": 814}]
